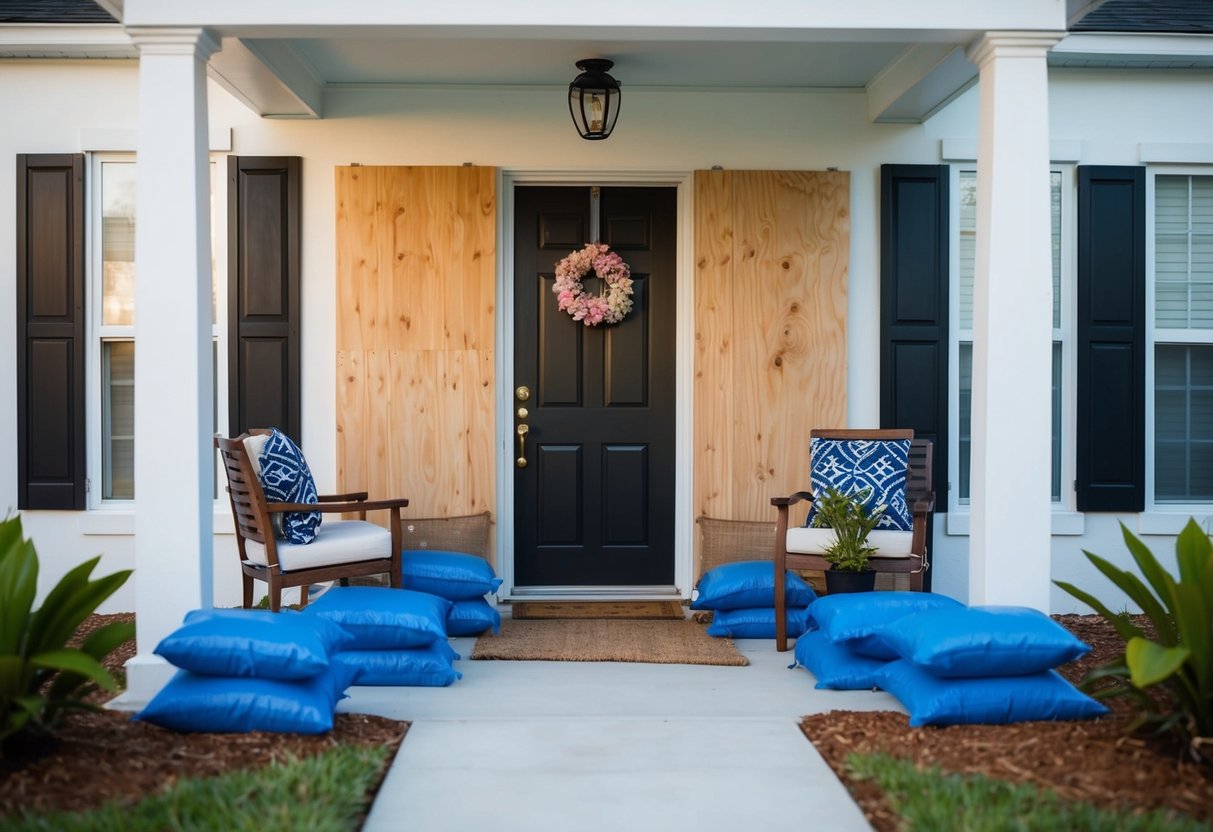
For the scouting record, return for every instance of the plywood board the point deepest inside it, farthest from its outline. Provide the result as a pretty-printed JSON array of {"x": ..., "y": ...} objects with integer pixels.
[
  {"x": 416, "y": 252},
  {"x": 770, "y": 314}
]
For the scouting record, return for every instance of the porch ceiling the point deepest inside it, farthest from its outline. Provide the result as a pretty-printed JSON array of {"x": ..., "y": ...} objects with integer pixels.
[{"x": 279, "y": 56}]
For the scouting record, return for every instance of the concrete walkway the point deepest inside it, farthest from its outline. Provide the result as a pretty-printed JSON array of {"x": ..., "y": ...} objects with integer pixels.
[{"x": 546, "y": 746}]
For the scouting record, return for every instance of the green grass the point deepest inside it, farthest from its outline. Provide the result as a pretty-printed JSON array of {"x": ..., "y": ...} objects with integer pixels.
[
  {"x": 930, "y": 800},
  {"x": 318, "y": 794}
]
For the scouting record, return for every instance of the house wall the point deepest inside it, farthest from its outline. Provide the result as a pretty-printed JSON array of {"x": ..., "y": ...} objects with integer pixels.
[{"x": 527, "y": 129}]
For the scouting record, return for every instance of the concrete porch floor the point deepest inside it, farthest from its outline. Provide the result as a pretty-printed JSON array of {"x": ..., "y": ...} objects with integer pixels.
[{"x": 541, "y": 746}]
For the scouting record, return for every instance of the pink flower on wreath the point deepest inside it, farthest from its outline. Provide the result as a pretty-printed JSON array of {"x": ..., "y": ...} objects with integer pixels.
[{"x": 610, "y": 307}]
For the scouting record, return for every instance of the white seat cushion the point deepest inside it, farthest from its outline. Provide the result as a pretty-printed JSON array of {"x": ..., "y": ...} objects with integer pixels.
[
  {"x": 339, "y": 541},
  {"x": 888, "y": 543}
]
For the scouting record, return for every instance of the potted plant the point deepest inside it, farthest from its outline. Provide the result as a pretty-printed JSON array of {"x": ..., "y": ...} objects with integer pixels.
[{"x": 851, "y": 522}]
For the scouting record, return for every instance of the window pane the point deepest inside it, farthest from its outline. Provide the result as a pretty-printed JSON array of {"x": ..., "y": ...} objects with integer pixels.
[
  {"x": 1170, "y": 204},
  {"x": 1183, "y": 252},
  {"x": 1183, "y": 423},
  {"x": 118, "y": 420},
  {"x": 1202, "y": 204},
  {"x": 1056, "y": 466},
  {"x": 118, "y": 243},
  {"x": 1055, "y": 214},
  {"x": 966, "y": 419},
  {"x": 968, "y": 245}
]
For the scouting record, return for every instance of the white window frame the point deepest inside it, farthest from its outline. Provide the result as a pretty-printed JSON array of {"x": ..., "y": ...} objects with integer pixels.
[
  {"x": 96, "y": 332},
  {"x": 1164, "y": 511},
  {"x": 1065, "y": 518}
]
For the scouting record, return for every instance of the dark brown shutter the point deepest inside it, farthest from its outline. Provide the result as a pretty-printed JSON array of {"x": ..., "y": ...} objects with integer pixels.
[
  {"x": 1110, "y": 453},
  {"x": 914, "y": 311},
  {"x": 914, "y": 306},
  {"x": 51, "y": 467},
  {"x": 264, "y": 293}
]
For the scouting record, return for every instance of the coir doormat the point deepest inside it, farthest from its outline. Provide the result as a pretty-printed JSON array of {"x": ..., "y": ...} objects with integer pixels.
[
  {"x": 522, "y": 610},
  {"x": 607, "y": 640}
]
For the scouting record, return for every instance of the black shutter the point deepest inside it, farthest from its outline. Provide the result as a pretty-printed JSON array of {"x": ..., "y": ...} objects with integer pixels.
[
  {"x": 914, "y": 307},
  {"x": 51, "y": 466},
  {"x": 1110, "y": 453},
  {"x": 263, "y": 293}
]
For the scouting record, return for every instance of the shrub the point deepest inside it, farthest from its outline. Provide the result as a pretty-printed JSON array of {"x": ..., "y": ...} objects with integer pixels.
[
  {"x": 1170, "y": 676},
  {"x": 40, "y": 676}
]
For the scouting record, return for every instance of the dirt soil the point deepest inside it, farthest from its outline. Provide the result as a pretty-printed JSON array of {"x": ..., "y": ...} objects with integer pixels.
[
  {"x": 1093, "y": 761},
  {"x": 105, "y": 756}
]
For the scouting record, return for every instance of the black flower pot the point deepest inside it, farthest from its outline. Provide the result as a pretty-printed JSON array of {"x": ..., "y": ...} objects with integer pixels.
[{"x": 837, "y": 581}]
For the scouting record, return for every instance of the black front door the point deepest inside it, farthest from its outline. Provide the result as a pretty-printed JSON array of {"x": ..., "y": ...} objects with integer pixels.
[{"x": 594, "y": 500}]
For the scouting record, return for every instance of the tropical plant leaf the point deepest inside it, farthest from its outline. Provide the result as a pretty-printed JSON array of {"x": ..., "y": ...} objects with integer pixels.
[
  {"x": 18, "y": 586},
  {"x": 1151, "y": 663},
  {"x": 1132, "y": 586},
  {"x": 1125, "y": 628},
  {"x": 1157, "y": 575},
  {"x": 102, "y": 641},
  {"x": 1196, "y": 633},
  {"x": 74, "y": 661},
  {"x": 77, "y": 606},
  {"x": 10, "y": 535},
  {"x": 1193, "y": 551},
  {"x": 98, "y": 645},
  {"x": 45, "y": 630}
]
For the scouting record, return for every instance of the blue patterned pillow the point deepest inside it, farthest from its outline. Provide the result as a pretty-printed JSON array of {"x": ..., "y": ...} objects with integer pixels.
[
  {"x": 851, "y": 465},
  {"x": 285, "y": 478}
]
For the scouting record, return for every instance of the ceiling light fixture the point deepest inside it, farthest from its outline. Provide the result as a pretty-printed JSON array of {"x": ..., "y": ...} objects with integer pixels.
[{"x": 594, "y": 99}]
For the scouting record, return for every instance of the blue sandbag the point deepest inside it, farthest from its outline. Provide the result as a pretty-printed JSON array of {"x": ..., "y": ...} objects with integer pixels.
[
  {"x": 472, "y": 617},
  {"x": 382, "y": 618},
  {"x": 984, "y": 641},
  {"x": 253, "y": 643},
  {"x": 993, "y": 700},
  {"x": 217, "y": 704},
  {"x": 756, "y": 622},
  {"x": 455, "y": 576},
  {"x": 860, "y": 619},
  {"x": 416, "y": 667},
  {"x": 834, "y": 666},
  {"x": 748, "y": 585}
]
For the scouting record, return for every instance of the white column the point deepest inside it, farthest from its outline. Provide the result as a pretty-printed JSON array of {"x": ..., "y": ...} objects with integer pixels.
[
  {"x": 1009, "y": 536},
  {"x": 174, "y": 388}
]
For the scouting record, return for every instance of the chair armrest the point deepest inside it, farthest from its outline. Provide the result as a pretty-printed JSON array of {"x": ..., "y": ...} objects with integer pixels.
[
  {"x": 343, "y": 498},
  {"x": 336, "y": 508},
  {"x": 923, "y": 505},
  {"x": 793, "y": 499}
]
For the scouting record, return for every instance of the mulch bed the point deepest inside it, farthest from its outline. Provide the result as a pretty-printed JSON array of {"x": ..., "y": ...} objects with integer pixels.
[
  {"x": 104, "y": 756},
  {"x": 1093, "y": 761}
]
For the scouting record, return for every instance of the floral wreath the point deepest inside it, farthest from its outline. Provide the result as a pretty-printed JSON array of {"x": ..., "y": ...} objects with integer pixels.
[{"x": 592, "y": 310}]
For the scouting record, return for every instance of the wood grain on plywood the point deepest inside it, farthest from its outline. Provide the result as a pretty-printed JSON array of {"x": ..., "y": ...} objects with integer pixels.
[
  {"x": 771, "y": 298},
  {"x": 416, "y": 253}
]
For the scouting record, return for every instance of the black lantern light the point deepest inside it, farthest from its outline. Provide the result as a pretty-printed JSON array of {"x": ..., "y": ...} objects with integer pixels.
[{"x": 594, "y": 99}]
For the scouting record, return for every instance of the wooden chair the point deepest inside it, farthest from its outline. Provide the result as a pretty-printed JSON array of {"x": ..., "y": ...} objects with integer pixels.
[
  {"x": 906, "y": 552},
  {"x": 342, "y": 549}
]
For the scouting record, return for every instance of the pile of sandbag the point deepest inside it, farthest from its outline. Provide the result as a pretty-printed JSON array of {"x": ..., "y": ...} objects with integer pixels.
[
  {"x": 946, "y": 663},
  {"x": 741, "y": 596}
]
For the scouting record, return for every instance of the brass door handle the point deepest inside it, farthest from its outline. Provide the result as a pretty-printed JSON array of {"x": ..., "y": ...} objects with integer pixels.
[{"x": 522, "y": 432}]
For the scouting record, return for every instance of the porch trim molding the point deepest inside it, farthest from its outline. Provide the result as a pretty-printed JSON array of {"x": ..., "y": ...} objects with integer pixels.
[{"x": 684, "y": 520}]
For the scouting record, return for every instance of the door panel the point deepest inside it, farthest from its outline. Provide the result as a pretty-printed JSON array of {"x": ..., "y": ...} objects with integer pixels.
[{"x": 594, "y": 503}]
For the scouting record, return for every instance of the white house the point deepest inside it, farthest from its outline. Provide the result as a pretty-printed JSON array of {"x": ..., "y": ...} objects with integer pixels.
[{"x": 991, "y": 222}]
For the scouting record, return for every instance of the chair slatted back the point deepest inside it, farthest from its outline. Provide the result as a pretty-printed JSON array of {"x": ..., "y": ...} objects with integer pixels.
[
  {"x": 244, "y": 489},
  {"x": 919, "y": 478}
]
